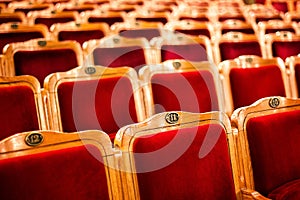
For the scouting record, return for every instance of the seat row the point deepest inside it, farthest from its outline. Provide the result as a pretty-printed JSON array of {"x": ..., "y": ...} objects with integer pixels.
[
  {"x": 104, "y": 98},
  {"x": 178, "y": 155}
]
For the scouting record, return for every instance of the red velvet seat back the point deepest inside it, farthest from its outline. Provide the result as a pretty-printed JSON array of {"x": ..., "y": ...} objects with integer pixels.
[
  {"x": 9, "y": 19},
  {"x": 195, "y": 32},
  {"x": 242, "y": 30},
  {"x": 109, "y": 20},
  {"x": 191, "y": 52},
  {"x": 80, "y": 36},
  {"x": 285, "y": 49},
  {"x": 7, "y": 38},
  {"x": 42, "y": 63},
  {"x": 18, "y": 111},
  {"x": 148, "y": 33},
  {"x": 72, "y": 173},
  {"x": 231, "y": 50},
  {"x": 194, "y": 175},
  {"x": 297, "y": 74},
  {"x": 262, "y": 19},
  {"x": 186, "y": 91},
  {"x": 251, "y": 84},
  {"x": 106, "y": 104},
  {"x": 131, "y": 56},
  {"x": 280, "y": 6},
  {"x": 274, "y": 149},
  {"x": 50, "y": 21}
]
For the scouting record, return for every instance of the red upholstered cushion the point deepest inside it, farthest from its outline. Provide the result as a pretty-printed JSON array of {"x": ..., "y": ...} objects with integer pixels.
[
  {"x": 231, "y": 50},
  {"x": 285, "y": 49},
  {"x": 148, "y": 33},
  {"x": 42, "y": 63},
  {"x": 265, "y": 18},
  {"x": 109, "y": 20},
  {"x": 186, "y": 91},
  {"x": 195, "y": 32},
  {"x": 105, "y": 105},
  {"x": 297, "y": 74},
  {"x": 274, "y": 149},
  {"x": 17, "y": 110},
  {"x": 274, "y": 30},
  {"x": 72, "y": 173},
  {"x": 192, "y": 52},
  {"x": 131, "y": 56},
  {"x": 192, "y": 163},
  {"x": 80, "y": 36},
  {"x": 288, "y": 191},
  {"x": 50, "y": 21},
  {"x": 280, "y": 6},
  {"x": 251, "y": 84},
  {"x": 153, "y": 19},
  {"x": 17, "y": 37}
]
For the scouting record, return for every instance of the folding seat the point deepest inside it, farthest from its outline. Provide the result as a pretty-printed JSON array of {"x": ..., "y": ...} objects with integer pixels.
[
  {"x": 50, "y": 17},
  {"x": 234, "y": 44},
  {"x": 109, "y": 17},
  {"x": 263, "y": 13},
  {"x": 293, "y": 64},
  {"x": 180, "y": 46},
  {"x": 191, "y": 27},
  {"x": 137, "y": 29},
  {"x": 26, "y": 6},
  {"x": 75, "y": 6},
  {"x": 282, "y": 44},
  {"x": 17, "y": 32},
  {"x": 166, "y": 153},
  {"x": 292, "y": 16},
  {"x": 230, "y": 13},
  {"x": 268, "y": 135},
  {"x": 80, "y": 32},
  {"x": 117, "y": 51},
  {"x": 40, "y": 57},
  {"x": 56, "y": 165},
  {"x": 149, "y": 16},
  {"x": 181, "y": 85},
  {"x": 94, "y": 97},
  {"x": 6, "y": 17},
  {"x": 21, "y": 107},
  {"x": 249, "y": 78},
  {"x": 232, "y": 25}
]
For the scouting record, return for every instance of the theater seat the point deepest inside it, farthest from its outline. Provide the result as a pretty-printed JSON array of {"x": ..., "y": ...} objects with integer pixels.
[
  {"x": 179, "y": 155},
  {"x": 94, "y": 98},
  {"x": 21, "y": 107},
  {"x": 181, "y": 85},
  {"x": 268, "y": 136},
  {"x": 56, "y": 165}
]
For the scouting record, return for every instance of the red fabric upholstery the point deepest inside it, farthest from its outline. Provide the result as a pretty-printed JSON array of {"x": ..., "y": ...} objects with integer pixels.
[
  {"x": 80, "y": 36},
  {"x": 72, "y": 173},
  {"x": 148, "y": 33},
  {"x": 49, "y": 21},
  {"x": 265, "y": 18},
  {"x": 131, "y": 56},
  {"x": 297, "y": 74},
  {"x": 17, "y": 37},
  {"x": 42, "y": 63},
  {"x": 274, "y": 149},
  {"x": 106, "y": 105},
  {"x": 109, "y": 20},
  {"x": 280, "y": 6},
  {"x": 195, "y": 32},
  {"x": 231, "y": 50},
  {"x": 17, "y": 110},
  {"x": 193, "y": 175},
  {"x": 186, "y": 91},
  {"x": 9, "y": 19},
  {"x": 153, "y": 19},
  {"x": 242, "y": 30},
  {"x": 280, "y": 29},
  {"x": 251, "y": 84},
  {"x": 288, "y": 191},
  {"x": 191, "y": 52},
  {"x": 200, "y": 19},
  {"x": 285, "y": 49}
]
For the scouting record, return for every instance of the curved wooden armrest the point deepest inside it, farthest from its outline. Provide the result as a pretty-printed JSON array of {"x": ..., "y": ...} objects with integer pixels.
[{"x": 252, "y": 194}]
